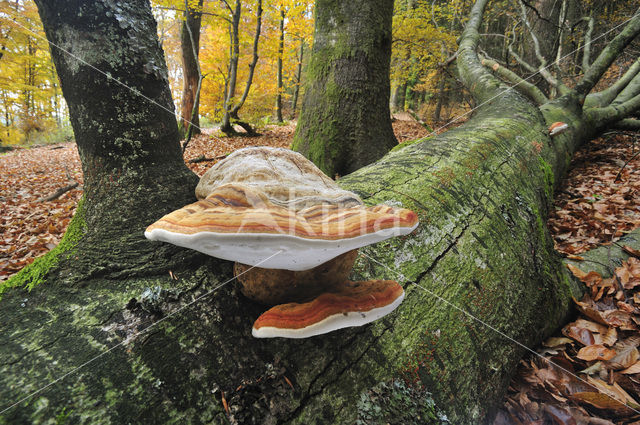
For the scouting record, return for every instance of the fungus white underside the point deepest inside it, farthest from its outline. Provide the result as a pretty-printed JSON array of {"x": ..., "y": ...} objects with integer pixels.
[
  {"x": 253, "y": 248},
  {"x": 331, "y": 323},
  {"x": 558, "y": 129}
]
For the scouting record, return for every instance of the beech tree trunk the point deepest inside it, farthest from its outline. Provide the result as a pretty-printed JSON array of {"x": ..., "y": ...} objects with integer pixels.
[
  {"x": 345, "y": 121},
  {"x": 482, "y": 192},
  {"x": 191, "y": 76},
  {"x": 126, "y": 134}
]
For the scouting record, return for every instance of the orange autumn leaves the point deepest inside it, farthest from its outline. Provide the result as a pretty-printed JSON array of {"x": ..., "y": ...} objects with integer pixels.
[
  {"x": 594, "y": 368},
  {"x": 601, "y": 199}
]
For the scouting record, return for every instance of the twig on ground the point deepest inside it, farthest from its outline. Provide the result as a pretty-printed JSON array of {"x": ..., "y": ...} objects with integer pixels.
[
  {"x": 59, "y": 192},
  {"x": 202, "y": 158}
]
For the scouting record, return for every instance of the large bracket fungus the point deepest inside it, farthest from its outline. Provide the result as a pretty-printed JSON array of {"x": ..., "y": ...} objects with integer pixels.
[{"x": 261, "y": 200}]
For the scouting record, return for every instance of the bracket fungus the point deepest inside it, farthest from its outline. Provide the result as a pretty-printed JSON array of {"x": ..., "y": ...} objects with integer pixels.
[
  {"x": 262, "y": 200},
  {"x": 558, "y": 128}
]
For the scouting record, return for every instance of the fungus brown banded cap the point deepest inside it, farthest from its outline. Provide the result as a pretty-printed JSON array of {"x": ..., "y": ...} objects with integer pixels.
[
  {"x": 558, "y": 128},
  {"x": 261, "y": 200},
  {"x": 356, "y": 304}
]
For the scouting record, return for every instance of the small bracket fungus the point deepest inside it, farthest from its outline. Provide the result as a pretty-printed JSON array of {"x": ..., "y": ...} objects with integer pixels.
[
  {"x": 356, "y": 304},
  {"x": 261, "y": 200},
  {"x": 558, "y": 128}
]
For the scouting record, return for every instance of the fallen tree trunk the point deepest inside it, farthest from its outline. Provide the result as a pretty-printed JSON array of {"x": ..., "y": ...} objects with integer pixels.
[
  {"x": 481, "y": 191},
  {"x": 178, "y": 347}
]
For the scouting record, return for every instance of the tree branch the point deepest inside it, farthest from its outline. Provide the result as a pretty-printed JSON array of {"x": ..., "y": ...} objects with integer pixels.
[
  {"x": 561, "y": 18},
  {"x": 604, "y": 117},
  {"x": 628, "y": 124},
  {"x": 480, "y": 82},
  {"x": 523, "y": 86},
  {"x": 606, "y": 96},
  {"x": 604, "y": 60},
  {"x": 630, "y": 91},
  {"x": 175, "y": 9},
  {"x": 586, "y": 51},
  {"x": 542, "y": 68}
]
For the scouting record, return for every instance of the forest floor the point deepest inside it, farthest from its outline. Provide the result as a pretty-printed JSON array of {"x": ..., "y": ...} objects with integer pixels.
[{"x": 598, "y": 202}]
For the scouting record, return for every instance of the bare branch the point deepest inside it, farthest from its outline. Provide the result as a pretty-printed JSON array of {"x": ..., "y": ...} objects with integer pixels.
[
  {"x": 542, "y": 68},
  {"x": 175, "y": 9},
  {"x": 586, "y": 51},
  {"x": 593, "y": 74},
  {"x": 523, "y": 86},
  {"x": 535, "y": 10},
  {"x": 606, "y": 96},
  {"x": 228, "y": 5},
  {"x": 252, "y": 65},
  {"x": 532, "y": 34},
  {"x": 561, "y": 18}
]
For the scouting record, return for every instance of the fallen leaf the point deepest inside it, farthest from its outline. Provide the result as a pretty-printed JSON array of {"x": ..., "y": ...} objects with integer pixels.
[
  {"x": 627, "y": 353},
  {"x": 633, "y": 369},
  {"x": 595, "y": 352},
  {"x": 602, "y": 401},
  {"x": 554, "y": 342}
]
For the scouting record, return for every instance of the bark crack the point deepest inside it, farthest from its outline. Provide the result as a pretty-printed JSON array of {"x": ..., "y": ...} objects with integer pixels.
[
  {"x": 306, "y": 399},
  {"x": 28, "y": 353}
]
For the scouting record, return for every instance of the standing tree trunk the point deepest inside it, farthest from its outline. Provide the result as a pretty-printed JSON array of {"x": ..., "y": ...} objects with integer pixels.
[
  {"x": 189, "y": 32},
  {"x": 296, "y": 90},
  {"x": 231, "y": 105},
  {"x": 345, "y": 122},
  {"x": 399, "y": 96},
  {"x": 127, "y": 140},
  {"x": 279, "y": 77},
  {"x": 480, "y": 271}
]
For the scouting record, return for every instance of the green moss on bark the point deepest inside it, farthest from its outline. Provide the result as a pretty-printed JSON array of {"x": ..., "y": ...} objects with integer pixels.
[{"x": 345, "y": 121}]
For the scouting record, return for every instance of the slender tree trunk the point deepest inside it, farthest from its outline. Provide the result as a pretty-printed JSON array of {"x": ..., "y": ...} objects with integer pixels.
[
  {"x": 296, "y": 90},
  {"x": 234, "y": 42},
  {"x": 189, "y": 32},
  {"x": 232, "y": 107},
  {"x": 441, "y": 97},
  {"x": 399, "y": 97},
  {"x": 279, "y": 76},
  {"x": 345, "y": 121}
]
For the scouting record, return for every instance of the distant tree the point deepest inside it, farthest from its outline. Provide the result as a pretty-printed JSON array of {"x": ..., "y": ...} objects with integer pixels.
[
  {"x": 30, "y": 98},
  {"x": 190, "y": 47},
  {"x": 232, "y": 105}
]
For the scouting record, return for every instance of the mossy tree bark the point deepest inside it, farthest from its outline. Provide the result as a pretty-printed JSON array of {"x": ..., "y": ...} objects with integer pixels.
[
  {"x": 482, "y": 192},
  {"x": 114, "y": 78},
  {"x": 345, "y": 121}
]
